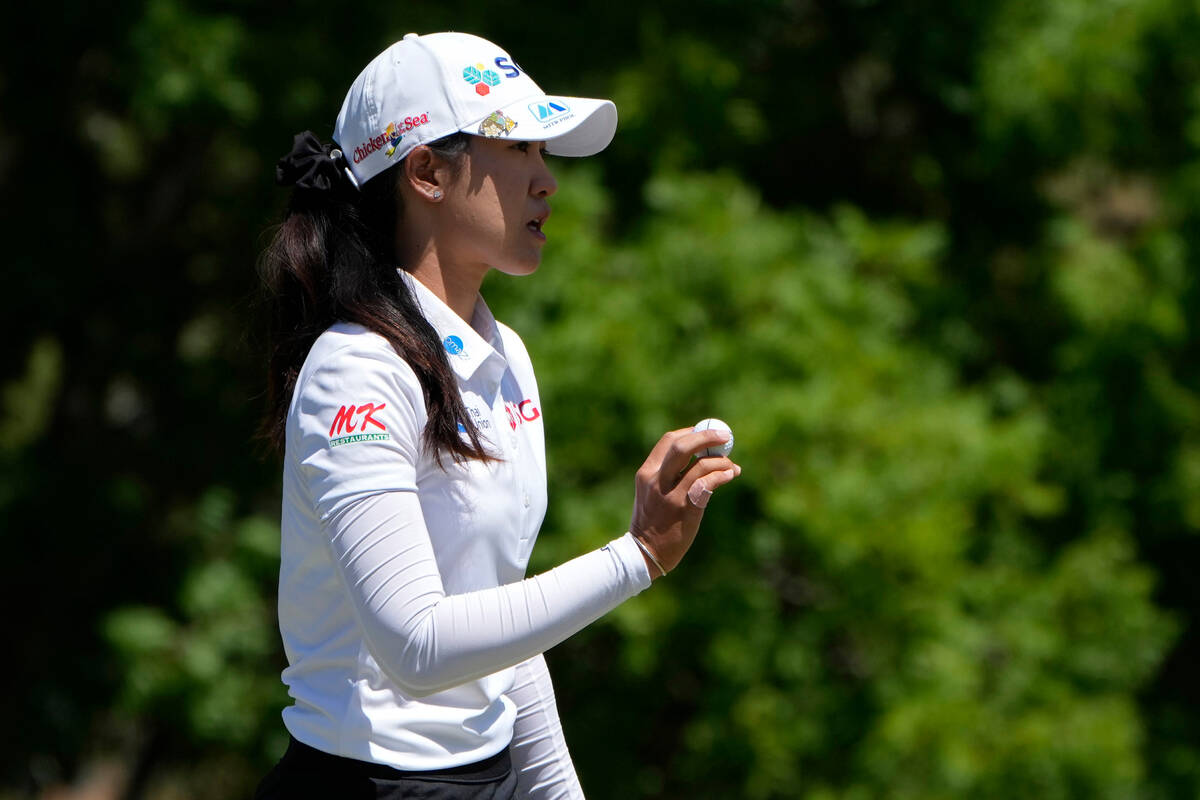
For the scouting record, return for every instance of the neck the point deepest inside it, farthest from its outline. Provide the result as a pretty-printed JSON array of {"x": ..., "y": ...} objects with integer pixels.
[
  {"x": 456, "y": 283},
  {"x": 457, "y": 290}
]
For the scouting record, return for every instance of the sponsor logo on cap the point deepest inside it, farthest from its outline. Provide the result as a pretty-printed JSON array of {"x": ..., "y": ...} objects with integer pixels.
[
  {"x": 496, "y": 125},
  {"x": 550, "y": 113},
  {"x": 551, "y": 109},
  {"x": 391, "y": 136},
  {"x": 483, "y": 79}
]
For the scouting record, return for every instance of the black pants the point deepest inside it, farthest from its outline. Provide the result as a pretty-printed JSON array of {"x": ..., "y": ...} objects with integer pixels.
[{"x": 305, "y": 773}]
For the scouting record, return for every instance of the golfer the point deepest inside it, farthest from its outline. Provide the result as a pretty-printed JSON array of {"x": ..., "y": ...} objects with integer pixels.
[{"x": 414, "y": 478}]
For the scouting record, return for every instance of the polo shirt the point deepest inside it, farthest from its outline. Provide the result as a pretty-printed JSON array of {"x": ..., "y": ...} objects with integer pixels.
[{"x": 403, "y": 605}]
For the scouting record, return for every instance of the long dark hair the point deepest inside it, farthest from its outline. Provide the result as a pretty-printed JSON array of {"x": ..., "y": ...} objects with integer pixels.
[{"x": 332, "y": 259}]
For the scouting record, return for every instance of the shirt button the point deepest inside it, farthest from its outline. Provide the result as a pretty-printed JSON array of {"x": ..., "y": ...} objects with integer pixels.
[{"x": 527, "y": 499}]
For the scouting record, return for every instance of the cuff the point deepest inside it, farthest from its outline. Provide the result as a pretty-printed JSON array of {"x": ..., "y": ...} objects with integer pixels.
[{"x": 632, "y": 561}]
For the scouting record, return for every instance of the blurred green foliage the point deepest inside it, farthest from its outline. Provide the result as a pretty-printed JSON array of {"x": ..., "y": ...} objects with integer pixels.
[
  {"x": 934, "y": 264},
  {"x": 868, "y": 612}
]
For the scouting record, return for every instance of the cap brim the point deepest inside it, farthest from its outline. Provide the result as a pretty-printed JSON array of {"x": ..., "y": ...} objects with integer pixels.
[{"x": 570, "y": 126}]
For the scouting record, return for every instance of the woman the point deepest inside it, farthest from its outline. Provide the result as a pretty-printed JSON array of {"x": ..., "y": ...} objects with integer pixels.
[{"x": 414, "y": 477}]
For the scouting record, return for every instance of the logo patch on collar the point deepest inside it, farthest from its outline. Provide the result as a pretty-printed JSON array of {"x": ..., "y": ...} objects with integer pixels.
[{"x": 454, "y": 346}]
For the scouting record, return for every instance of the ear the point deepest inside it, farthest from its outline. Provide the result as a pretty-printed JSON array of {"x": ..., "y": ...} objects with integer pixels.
[{"x": 425, "y": 173}]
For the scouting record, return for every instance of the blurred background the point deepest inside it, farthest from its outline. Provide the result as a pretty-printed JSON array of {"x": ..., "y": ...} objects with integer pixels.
[{"x": 934, "y": 262}]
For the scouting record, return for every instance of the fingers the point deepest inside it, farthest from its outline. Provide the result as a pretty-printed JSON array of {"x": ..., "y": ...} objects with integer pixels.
[
  {"x": 672, "y": 490},
  {"x": 698, "y": 494},
  {"x": 706, "y": 476},
  {"x": 683, "y": 445},
  {"x": 659, "y": 452}
]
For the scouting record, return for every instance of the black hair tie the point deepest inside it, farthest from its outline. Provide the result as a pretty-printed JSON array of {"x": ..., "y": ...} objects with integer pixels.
[{"x": 311, "y": 165}]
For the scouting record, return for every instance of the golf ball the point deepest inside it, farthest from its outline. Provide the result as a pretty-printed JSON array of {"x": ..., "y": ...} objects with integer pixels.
[{"x": 716, "y": 425}]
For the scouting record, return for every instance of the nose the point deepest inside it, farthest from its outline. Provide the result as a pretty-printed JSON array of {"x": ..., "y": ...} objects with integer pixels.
[{"x": 544, "y": 183}]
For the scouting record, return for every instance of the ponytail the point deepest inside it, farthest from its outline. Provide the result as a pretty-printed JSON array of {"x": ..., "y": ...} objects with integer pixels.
[{"x": 332, "y": 260}]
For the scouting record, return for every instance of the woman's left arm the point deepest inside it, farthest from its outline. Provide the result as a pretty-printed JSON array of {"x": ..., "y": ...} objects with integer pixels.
[{"x": 539, "y": 750}]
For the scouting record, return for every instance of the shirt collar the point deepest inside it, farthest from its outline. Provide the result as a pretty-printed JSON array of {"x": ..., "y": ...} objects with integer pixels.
[{"x": 475, "y": 350}]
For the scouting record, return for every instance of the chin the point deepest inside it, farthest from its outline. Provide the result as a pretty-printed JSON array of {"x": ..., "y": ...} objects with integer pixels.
[{"x": 520, "y": 268}]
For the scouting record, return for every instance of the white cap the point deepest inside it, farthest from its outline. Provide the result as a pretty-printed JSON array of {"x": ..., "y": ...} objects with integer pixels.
[{"x": 425, "y": 87}]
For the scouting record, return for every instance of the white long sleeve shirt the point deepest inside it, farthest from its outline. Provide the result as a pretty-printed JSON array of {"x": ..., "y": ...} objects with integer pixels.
[{"x": 413, "y": 638}]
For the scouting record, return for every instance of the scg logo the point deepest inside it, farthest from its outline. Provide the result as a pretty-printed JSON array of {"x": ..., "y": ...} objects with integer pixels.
[{"x": 522, "y": 412}]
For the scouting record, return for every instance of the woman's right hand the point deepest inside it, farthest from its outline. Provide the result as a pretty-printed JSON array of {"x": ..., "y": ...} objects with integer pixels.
[{"x": 672, "y": 490}]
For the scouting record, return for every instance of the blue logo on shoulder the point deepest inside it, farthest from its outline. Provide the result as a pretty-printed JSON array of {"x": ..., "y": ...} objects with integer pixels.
[{"x": 454, "y": 346}]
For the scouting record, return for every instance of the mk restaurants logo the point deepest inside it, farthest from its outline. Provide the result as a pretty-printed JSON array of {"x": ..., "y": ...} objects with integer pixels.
[{"x": 357, "y": 418}]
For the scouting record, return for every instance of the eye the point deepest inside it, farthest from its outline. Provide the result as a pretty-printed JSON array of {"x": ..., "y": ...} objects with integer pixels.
[{"x": 524, "y": 148}]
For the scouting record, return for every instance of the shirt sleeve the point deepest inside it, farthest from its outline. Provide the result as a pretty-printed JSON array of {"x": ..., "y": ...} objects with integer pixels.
[
  {"x": 365, "y": 493},
  {"x": 356, "y": 424},
  {"x": 428, "y": 641},
  {"x": 539, "y": 750}
]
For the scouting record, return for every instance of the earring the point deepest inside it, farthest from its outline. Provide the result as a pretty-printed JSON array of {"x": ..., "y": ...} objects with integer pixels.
[{"x": 437, "y": 194}]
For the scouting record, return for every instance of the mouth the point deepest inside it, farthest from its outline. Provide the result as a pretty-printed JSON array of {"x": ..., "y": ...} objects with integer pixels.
[{"x": 535, "y": 224}]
